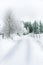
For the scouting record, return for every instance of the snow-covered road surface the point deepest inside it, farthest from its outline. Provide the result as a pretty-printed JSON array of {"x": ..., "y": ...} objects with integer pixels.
[{"x": 20, "y": 51}]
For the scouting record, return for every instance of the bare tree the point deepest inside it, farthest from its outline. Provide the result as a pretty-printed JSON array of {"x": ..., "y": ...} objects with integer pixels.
[
  {"x": 11, "y": 25},
  {"x": 8, "y": 27}
]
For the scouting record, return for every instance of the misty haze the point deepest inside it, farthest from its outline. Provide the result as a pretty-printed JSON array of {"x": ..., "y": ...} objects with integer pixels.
[{"x": 21, "y": 32}]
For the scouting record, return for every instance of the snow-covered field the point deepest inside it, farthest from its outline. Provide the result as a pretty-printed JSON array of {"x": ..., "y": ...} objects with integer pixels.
[{"x": 22, "y": 50}]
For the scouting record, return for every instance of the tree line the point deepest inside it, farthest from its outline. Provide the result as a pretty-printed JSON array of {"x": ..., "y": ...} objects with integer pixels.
[
  {"x": 34, "y": 27},
  {"x": 12, "y": 26}
]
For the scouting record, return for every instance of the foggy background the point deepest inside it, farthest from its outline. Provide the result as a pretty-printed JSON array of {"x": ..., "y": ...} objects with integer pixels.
[{"x": 25, "y": 10}]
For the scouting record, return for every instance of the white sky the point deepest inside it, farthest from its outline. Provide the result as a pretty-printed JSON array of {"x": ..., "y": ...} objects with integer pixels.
[{"x": 24, "y": 9}]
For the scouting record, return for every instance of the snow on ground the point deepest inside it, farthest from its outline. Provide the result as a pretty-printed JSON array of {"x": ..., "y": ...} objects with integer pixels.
[
  {"x": 22, "y": 50},
  {"x": 5, "y": 46},
  {"x": 39, "y": 39}
]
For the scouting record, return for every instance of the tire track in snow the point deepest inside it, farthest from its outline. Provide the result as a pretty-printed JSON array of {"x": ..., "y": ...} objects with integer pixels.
[{"x": 11, "y": 51}]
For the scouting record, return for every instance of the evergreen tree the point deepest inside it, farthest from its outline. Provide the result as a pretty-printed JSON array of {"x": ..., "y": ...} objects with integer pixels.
[
  {"x": 35, "y": 27},
  {"x": 41, "y": 27},
  {"x": 26, "y": 25},
  {"x": 30, "y": 27}
]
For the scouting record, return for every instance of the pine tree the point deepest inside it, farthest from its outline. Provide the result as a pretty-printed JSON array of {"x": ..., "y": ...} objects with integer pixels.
[
  {"x": 30, "y": 27},
  {"x": 26, "y": 25},
  {"x": 35, "y": 27},
  {"x": 41, "y": 27}
]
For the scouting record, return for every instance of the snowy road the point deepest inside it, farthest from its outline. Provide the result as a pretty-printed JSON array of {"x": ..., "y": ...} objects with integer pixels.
[{"x": 23, "y": 51}]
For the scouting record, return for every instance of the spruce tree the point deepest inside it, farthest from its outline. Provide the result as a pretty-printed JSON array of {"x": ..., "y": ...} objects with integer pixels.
[{"x": 35, "y": 27}]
